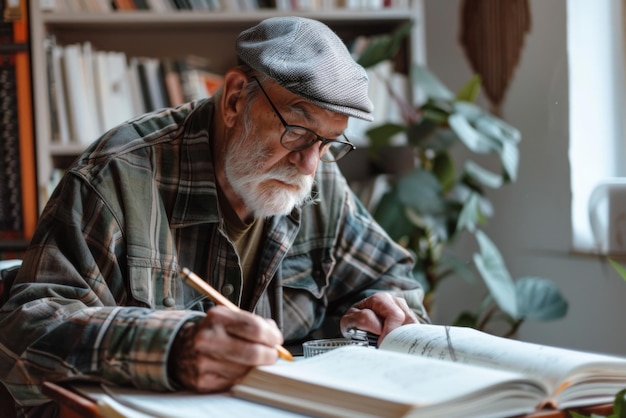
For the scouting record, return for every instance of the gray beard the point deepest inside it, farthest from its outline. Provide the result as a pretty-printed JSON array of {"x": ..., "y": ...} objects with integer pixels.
[{"x": 243, "y": 167}]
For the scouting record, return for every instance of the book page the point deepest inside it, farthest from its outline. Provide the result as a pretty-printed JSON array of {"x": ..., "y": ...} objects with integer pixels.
[
  {"x": 470, "y": 346},
  {"x": 376, "y": 382},
  {"x": 136, "y": 403}
]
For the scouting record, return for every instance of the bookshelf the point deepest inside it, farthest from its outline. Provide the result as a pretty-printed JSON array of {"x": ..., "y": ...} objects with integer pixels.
[{"x": 209, "y": 34}]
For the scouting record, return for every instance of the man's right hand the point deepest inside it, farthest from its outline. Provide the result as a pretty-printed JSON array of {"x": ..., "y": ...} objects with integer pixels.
[{"x": 216, "y": 353}]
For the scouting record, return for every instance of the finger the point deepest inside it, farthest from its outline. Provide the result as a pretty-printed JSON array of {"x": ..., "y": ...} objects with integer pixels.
[
  {"x": 219, "y": 344},
  {"x": 363, "y": 319},
  {"x": 394, "y": 312},
  {"x": 206, "y": 374},
  {"x": 379, "y": 314},
  {"x": 235, "y": 337},
  {"x": 410, "y": 315},
  {"x": 213, "y": 375},
  {"x": 245, "y": 325}
]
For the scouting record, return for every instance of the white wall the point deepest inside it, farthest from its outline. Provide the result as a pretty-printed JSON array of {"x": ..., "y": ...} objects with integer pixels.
[{"x": 532, "y": 221}]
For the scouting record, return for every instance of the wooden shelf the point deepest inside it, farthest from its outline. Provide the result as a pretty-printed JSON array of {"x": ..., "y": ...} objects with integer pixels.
[
  {"x": 65, "y": 150},
  {"x": 220, "y": 20},
  {"x": 176, "y": 34},
  {"x": 13, "y": 245}
]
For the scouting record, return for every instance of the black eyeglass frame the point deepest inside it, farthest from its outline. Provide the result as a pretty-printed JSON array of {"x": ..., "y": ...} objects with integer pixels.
[{"x": 324, "y": 156}]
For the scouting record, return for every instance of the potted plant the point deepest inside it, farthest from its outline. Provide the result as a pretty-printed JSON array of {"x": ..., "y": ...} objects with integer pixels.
[{"x": 440, "y": 198}]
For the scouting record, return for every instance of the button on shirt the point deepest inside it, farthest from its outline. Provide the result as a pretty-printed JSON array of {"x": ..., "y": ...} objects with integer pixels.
[{"x": 99, "y": 295}]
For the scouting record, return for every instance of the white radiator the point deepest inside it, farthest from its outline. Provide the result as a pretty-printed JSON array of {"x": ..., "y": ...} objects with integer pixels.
[{"x": 607, "y": 216}]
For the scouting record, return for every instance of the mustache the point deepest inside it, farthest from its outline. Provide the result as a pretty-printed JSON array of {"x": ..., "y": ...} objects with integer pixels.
[{"x": 288, "y": 175}]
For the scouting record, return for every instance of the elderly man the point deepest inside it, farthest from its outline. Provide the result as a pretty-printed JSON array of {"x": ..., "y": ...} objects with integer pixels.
[{"x": 242, "y": 188}]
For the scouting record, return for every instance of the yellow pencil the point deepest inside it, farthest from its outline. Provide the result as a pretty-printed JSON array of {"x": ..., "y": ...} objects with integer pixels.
[{"x": 203, "y": 287}]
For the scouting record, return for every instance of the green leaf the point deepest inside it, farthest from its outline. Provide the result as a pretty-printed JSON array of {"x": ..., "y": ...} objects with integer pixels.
[
  {"x": 381, "y": 135},
  {"x": 618, "y": 268},
  {"x": 471, "y": 111},
  {"x": 428, "y": 136},
  {"x": 420, "y": 276},
  {"x": 469, "y": 92},
  {"x": 418, "y": 134},
  {"x": 539, "y": 299},
  {"x": 482, "y": 175},
  {"x": 461, "y": 268},
  {"x": 510, "y": 160},
  {"x": 497, "y": 128},
  {"x": 421, "y": 191},
  {"x": 484, "y": 133},
  {"x": 444, "y": 169},
  {"x": 464, "y": 190},
  {"x": 466, "y": 319},
  {"x": 491, "y": 266},
  {"x": 389, "y": 213},
  {"x": 434, "y": 112},
  {"x": 575, "y": 414},
  {"x": 384, "y": 47},
  {"x": 470, "y": 214},
  {"x": 473, "y": 139},
  {"x": 431, "y": 86},
  {"x": 619, "y": 404}
]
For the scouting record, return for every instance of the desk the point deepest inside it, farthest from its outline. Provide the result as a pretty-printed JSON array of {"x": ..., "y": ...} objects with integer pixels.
[{"x": 74, "y": 405}]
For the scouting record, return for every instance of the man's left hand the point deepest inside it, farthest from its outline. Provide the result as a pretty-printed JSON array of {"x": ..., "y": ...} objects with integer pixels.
[{"x": 378, "y": 314}]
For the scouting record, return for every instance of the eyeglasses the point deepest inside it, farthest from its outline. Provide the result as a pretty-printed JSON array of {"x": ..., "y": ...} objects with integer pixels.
[{"x": 298, "y": 138}]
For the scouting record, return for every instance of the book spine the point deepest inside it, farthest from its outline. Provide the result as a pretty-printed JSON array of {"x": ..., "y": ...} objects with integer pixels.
[
  {"x": 83, "y": 115},
  {"x": 173, "y": 83},
  {"x": 136, "y": 92}
]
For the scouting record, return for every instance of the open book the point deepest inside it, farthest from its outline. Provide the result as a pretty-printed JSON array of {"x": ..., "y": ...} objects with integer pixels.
[{"x": 438, "y": 371}]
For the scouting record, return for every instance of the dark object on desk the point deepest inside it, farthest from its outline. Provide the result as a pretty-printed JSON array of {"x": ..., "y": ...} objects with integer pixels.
[
  {"x": 7, "y": 277},
  {"x": 360, "y": 335}
]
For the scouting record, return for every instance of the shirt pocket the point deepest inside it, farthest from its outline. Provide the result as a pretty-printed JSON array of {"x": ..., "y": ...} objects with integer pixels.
[
  {"x": 305, "y": 285},
  {"x": 155, "y": 284},
  {"x": 308, "y": 272}
]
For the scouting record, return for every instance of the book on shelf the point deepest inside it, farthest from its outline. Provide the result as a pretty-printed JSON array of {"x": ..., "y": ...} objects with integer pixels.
[
  {"x": 82, "y": 114},
  {"x": 56, "y": 93},
  {"x": 173, "y": 83},
  {"x": 136, "y": 94},
  {"x": 113, "y": 88},
  {"x": 152, "y": 87},
  {"x": 124, "y": 5},
  {"x": 438, "y": 371},
  {"x": 91, "y": 91},
  {"x": 197, "y": 79},
  {"x": 159, "y": 5}
]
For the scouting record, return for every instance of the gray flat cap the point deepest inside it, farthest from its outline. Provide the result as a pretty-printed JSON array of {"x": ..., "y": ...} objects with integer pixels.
[{"x": 307, "y": 58}]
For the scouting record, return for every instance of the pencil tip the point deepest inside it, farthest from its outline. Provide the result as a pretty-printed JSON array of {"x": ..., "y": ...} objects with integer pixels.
[{"x": 284, "y": 353}]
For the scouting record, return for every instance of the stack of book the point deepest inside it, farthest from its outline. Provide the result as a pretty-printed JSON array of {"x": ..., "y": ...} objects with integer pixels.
[
  {"x": 164, "y": 6},
  {"x": 159, "y": 6},
  {"x": 91, "y": 91}
]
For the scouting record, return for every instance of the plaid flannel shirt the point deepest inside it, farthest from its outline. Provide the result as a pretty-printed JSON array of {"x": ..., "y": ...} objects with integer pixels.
[{"x": 99, "y": 296}]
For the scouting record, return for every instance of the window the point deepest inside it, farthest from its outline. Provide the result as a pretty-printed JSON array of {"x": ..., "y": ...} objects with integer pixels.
[{"x": 597, "y": 110}]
